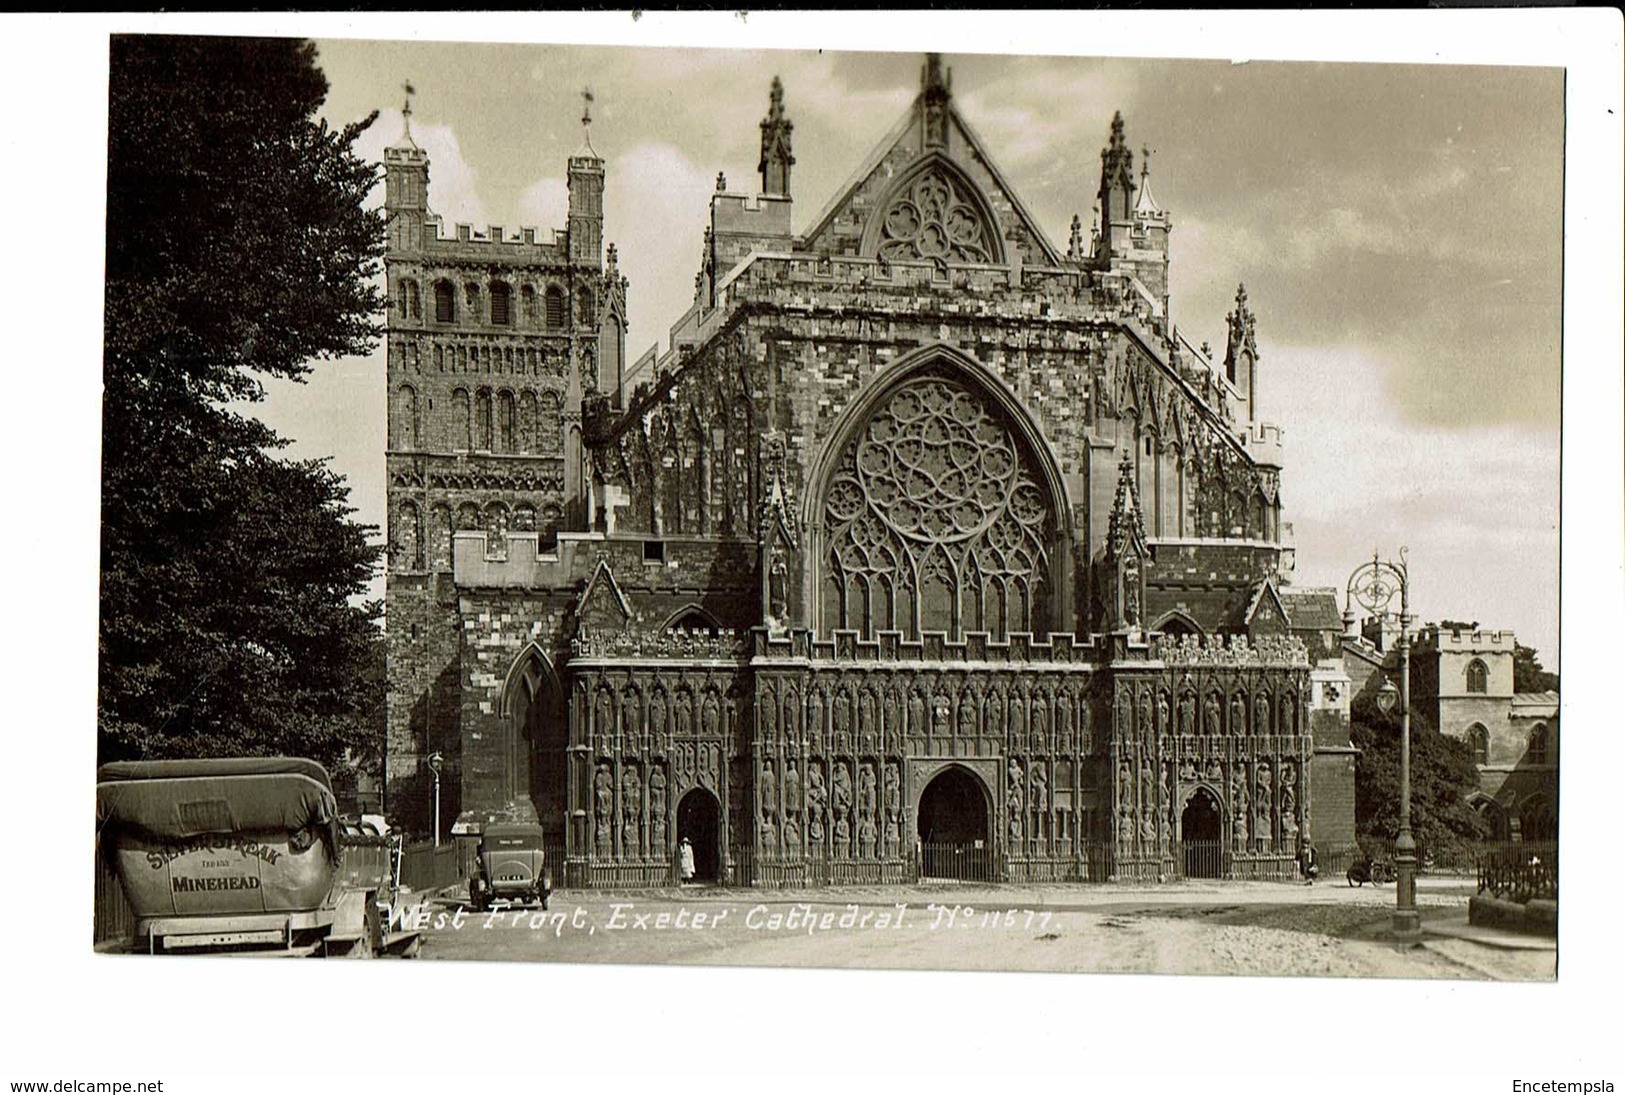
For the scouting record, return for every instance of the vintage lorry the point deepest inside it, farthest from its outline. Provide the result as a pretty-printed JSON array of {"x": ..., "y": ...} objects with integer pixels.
[{"x": 245, "y": 854}]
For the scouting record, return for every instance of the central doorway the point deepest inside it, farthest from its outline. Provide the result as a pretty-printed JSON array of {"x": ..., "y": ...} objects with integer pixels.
[
  {"x": 697, "y": 819},
  {"x": 1200, "y": 832},
  {"x": 953, "y": 828}
]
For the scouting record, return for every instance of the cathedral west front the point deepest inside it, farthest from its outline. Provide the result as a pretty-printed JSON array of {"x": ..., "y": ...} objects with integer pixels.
[{"x": 927, "y": 548}]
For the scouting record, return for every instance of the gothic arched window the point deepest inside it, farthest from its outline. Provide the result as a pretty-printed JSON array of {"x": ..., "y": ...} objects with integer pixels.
[
  {"x": 505, "y": 422},
  {"x": 554, "y": 306},
  {"x": 935, "y": 520},
  {"x": 1478, "y": 739},
  {"x": 1536, "y": 753},
  {"x": 1478, "y": 676},
  {"x": 482, "y": 420},
  {"x": 445, "y": 302}
]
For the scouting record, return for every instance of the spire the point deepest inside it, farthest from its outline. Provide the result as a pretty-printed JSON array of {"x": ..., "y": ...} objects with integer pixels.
[
  {"x": 1146, "y": 205},
  {"x": 1241, "y": 326},
  {"x": 586, "y": 150},
  {"x": 935, "y": 88},
  {"x": 406, "y": 142},
  {"x": 1116, "y": 192},
  {"x": 776, "y": 155},
  {"x": 1074, "y": 242},
  {"x": 1127, "y": 526}
]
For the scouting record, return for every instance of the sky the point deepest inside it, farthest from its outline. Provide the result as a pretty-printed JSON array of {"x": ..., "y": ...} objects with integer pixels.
[{"x": 1398, "y": 228}]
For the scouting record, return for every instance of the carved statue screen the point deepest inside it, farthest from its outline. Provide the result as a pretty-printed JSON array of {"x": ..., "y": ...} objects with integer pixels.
[{"x": 935, "y": 520}]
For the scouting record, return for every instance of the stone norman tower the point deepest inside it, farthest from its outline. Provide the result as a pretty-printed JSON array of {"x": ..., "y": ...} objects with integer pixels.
[
  {"x": 494, "y": 338},
  {"x": 926, "y": 546}
]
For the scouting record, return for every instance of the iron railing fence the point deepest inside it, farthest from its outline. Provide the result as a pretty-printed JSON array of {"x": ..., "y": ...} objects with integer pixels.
[{"x": 1519, "y": 872}]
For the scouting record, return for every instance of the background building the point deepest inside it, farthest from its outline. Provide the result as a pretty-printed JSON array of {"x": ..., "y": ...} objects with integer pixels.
[{"x": 924, "y": 533}]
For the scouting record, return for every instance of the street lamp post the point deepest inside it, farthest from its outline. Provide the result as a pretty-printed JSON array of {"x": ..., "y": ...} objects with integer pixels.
[
  {"x": 1374, "y": 586},
  {"x": 435, "y": 760}
]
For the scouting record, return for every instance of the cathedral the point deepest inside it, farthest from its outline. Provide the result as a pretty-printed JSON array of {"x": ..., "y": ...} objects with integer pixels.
[{"x": 927, "y": 547}]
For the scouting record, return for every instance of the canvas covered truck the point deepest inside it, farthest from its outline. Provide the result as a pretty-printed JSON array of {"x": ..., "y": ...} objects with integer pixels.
[{"x": 244, "y": 854}]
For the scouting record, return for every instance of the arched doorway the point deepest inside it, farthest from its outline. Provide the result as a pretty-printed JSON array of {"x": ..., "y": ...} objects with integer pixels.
[
  {"x": 1537, "y": 821},
  {"x": 538, "y": 740},
  {"x": 1201, "y": 834},
  {"x": 952, "y": 826},
  {"x": 697, "y": 819}
]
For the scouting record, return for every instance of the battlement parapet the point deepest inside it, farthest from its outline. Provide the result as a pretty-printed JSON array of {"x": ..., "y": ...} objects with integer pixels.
[
  {"x": 1022, "y": 649},
  {"x": 519, "y": 563},
  {"x": 1464, "y": 641},
  {"x": 495, "y": 243},
  {"x": 1264, "y": 444},
  {"x": 759, "y": 215}
]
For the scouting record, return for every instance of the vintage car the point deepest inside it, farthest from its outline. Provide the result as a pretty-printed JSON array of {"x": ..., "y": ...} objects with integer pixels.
[
  {"x": 510, "y": 866},
  {"x": 234, "y": 853}
]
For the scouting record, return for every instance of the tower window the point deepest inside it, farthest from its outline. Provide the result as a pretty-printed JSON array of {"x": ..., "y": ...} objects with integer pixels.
[
  {"x": 501, "y": 303},
  {"x": 1478, "y": 677},
  {"x": 1478, "y": 739},
  {"x": 555, "y": 306},
  {"x": 1537, "y": 745},
  {"x": 445, "y": 302}
]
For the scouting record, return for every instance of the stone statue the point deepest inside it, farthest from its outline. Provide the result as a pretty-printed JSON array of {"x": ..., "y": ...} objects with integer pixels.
[
  {"x": 1187, "y": 714},
  {"x": 767, "y": 791},
  {"x": 815, "y": 715},
  {"x": 1261, "y": 715},
  {"x": 765, "y": 713},
  {"x": 967, "y": 714},
  {"x": 711, "y": 715},
  {"x": 631, "y": 807},
  {"x": 1040, "y": 789},
  {"x": 916, "y": 712},
  {"x": 1238, "y": 715},
  {"x": 816, "y": 796},
  {"x": 841, "y": 803},
  {"x": 1162, "y": 713},
  {"x": 657, "y": 809},
  {"x": 1210, "y": 715},
  {"x": 603, "y": 807},
  {"x": 792, "y": 788}
]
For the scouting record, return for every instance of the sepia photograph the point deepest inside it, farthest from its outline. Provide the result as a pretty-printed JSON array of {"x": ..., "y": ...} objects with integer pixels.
[{"x": 577, "y": 506}]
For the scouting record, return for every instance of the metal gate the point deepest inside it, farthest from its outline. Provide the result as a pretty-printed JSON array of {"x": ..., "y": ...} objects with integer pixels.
[{"x": 965, "y": 862}]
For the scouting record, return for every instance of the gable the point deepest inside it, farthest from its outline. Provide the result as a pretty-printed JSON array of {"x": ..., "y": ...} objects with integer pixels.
[{"x": 968, "y": 209}]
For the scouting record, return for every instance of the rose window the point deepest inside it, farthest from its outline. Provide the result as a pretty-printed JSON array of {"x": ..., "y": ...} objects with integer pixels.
[
  {"x": 934, "y": 221},
  {"x": 934, "y": 520}
]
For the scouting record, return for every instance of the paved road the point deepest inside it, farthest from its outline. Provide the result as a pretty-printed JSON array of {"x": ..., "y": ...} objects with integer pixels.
[{"x": 1189, "y": 928}]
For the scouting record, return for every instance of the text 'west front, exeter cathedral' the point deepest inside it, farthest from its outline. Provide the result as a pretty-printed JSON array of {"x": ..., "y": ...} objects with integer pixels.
[{"x": 927, "y": 546}]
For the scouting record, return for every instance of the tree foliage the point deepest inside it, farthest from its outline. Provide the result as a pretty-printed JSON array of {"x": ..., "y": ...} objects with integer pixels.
[
  {"x": 1443, "y": 778},
  {"x": 237, "y": 247},
  {"x": 1528, "y": 675}
]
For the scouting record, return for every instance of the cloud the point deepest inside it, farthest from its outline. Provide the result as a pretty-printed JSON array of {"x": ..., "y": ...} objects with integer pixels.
[
  {"x": 545, "y": 204},
  {"x": 1478, "y": 509},
  {"x": 453, "y": 181},
  {"x": 666, "y": 196}
]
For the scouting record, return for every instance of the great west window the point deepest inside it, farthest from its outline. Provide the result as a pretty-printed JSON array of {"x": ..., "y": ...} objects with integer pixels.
[{"x": 935, "y": 520}]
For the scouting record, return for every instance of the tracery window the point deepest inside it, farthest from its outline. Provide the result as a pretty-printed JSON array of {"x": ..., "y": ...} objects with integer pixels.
[
  {"x": 1478, "y": 739},
  {"x": 935, "y": 521},
  {"x": 1478, "y": 676},
  {"x": 934, "y": 220},
  {"x": 1537, "y": 745}
]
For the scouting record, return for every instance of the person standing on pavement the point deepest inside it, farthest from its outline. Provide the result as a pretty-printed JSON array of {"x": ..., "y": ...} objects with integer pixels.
[{"x": 685, "y": 860}]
